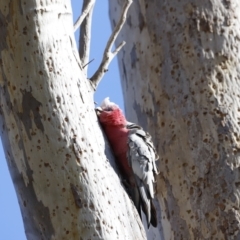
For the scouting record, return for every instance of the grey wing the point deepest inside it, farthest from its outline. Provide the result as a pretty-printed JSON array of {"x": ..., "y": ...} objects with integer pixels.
[{"x": 142, "y": 157}]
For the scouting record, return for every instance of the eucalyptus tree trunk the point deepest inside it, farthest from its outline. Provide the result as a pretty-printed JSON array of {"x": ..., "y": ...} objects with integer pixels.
[
  {"x": 54, "y": 147},
  {"x": 181, "y": 75}
]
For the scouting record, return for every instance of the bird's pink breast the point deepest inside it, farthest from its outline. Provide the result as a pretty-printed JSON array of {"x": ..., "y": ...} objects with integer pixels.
[
  {"x": 114, "y": 123},
  {"x": 118, "y": 138}
]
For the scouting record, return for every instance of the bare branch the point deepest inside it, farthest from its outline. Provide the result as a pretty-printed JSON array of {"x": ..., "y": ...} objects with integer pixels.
[
  {"x": 108, "y": 55},
  {"x": 85, "y": 36},
  {"x": 87, "y": 63},
  {"x": 115, "y": 52},
  {"x": 89, "y": 6}
]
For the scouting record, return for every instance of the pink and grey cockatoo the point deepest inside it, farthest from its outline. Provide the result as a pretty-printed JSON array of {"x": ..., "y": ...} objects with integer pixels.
[{"x": 135, "y": 156}]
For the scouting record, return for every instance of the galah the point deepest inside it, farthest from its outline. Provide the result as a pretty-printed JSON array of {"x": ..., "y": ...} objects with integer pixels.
[{"x": 135, "y": 156}]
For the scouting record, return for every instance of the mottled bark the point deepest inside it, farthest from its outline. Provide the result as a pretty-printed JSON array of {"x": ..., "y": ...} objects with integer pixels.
[
  {"x": 65, "y": 186},
  {"x": 180, "y": 73}
]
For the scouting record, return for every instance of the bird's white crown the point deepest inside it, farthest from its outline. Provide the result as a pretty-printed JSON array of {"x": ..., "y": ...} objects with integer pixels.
[{"x": 106, "y": 103}]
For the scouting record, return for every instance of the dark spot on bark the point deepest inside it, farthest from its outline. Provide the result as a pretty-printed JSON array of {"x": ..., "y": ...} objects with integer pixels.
[
  {"x": 141, "y": 21},
  {"x": 205, "y": 25},
  {"x": 77, "y": 152},
  {"x": 68, "y": 155},
  {"x": 91, "y": 206},
  {"x": 58, "y": 99},
  {"x": 30, "y": 107},
  {"x": 129, "y": 20},
  {"x": 77, "y": 196},
  {"x": 133, "y": 56},
  {"x": 166, "y": 209},
  {"x": 219, "y": 76},
  {"x": 3, "y": 32},
  {"x": 24, "y": 31},
  {"x": 222, "y": 206},
  {"x": 226, "y": 3},
  {"x": 124, "y": 71}
]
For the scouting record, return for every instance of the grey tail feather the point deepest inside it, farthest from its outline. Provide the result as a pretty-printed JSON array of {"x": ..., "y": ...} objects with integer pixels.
[
  {"x": 153, "y": 214},
  {"x": 142, "y": 199},
  {"x": 146, "y": 211},
  {"x": 145, "y": 202},
  {"x": 136, "y": 199}
]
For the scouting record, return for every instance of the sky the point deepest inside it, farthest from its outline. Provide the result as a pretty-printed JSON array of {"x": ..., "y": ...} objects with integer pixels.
[{"x": 11, "y": 225}]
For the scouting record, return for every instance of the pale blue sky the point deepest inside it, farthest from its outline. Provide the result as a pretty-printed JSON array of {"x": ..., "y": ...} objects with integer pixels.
[{"x": 11, "y": 226}]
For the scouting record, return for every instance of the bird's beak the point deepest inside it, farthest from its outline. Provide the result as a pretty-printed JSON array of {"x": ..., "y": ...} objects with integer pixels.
[{"x": 98, "y": 110}]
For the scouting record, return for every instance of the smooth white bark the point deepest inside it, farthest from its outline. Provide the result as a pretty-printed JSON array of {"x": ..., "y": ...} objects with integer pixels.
[
  {"x": 180, "y": 73},
  {"x": 66, "y": 187}
]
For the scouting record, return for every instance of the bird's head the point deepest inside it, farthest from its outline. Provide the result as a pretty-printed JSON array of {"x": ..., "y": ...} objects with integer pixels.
[{"x": 109, "y": 113}]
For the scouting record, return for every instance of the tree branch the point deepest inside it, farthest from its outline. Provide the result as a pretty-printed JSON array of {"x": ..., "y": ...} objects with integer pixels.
[
  {"x": 108, "y": 55},
  {"x": 85, "y": 35},
  {"x": 88, "y": 6}
]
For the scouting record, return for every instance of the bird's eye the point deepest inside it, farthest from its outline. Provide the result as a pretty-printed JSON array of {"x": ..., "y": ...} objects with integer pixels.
[{"x": 108, "y": 109}]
